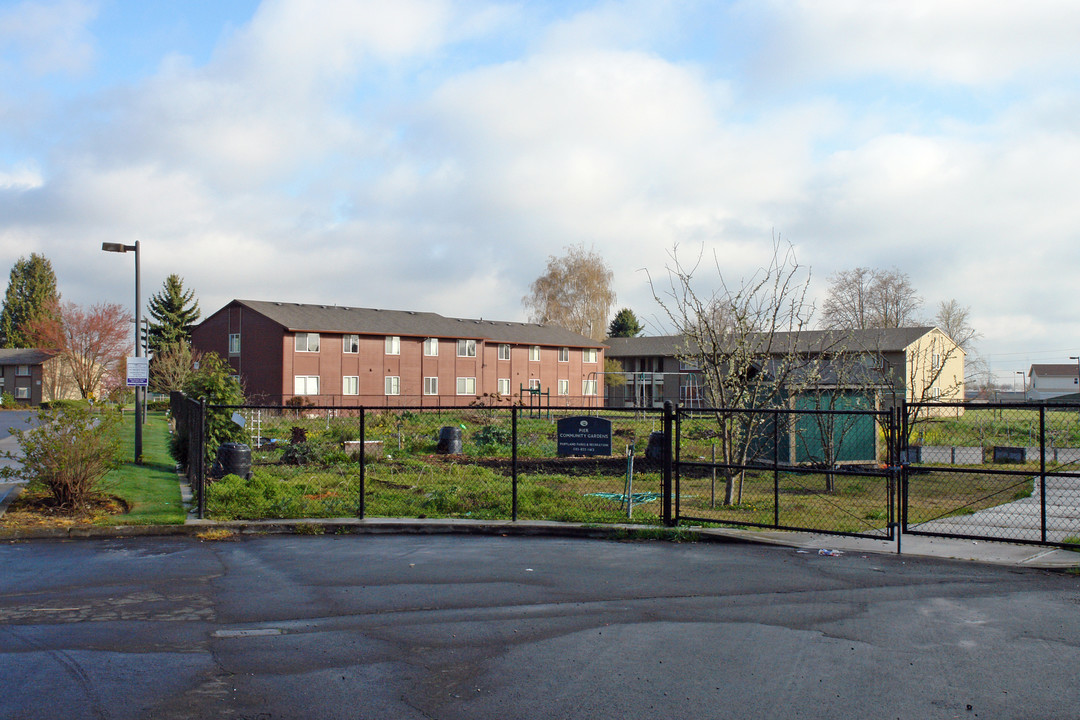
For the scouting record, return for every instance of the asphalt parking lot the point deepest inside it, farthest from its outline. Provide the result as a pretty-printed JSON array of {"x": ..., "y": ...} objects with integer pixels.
[{"x": 440, "y": 626}]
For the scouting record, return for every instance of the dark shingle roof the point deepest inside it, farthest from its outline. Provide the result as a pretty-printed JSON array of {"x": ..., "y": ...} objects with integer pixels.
[
  {"x": 875, "y": 341},
  {"x": 301, "y": 317},
  {"x": 1054, "y": 370},
  {"x": 24, "y": 356}
]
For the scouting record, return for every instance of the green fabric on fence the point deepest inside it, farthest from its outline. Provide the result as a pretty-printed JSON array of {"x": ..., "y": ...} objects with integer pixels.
[{"x": 635, "y": 498}]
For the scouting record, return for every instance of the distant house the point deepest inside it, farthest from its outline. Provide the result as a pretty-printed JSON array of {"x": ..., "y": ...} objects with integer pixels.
[
  {"x": 346, "y": 356},
  {"x": 1052, "y": 380},
  {"x": 32, "y": 376},
  {"x": 919, "y": 364}
]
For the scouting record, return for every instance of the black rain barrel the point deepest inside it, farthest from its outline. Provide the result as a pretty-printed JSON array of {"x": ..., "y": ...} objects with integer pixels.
[
  {"x": 655, "y": 449},
  {"x": 234, "y": 459},
  {"x": 449, "y": 441}
]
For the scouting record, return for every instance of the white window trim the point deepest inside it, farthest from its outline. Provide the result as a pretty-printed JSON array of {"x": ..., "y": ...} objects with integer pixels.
[
  {"x": 564, "y": 354},
  {"x": 504, "y": 382},
  {"x": 431, "y": 388},
  {"x": 589, "y": 355},
  {"x": 431, "y": 347},
  {"x": 392, "y": 385},
  {"x": 344, "y": 386},
  {"x": 347, "y": 344},
  {"x": 234, "y": 347},
  {"x": 466, "y": 345},
  {"x": 307, "y": 342},
  {"x": 501, "y": 355},
  {"x": 306, "y": 379},
  {"x": 22, "y": 393},
  {"x": 466, "y": 391},
  {"x": 586, "y": 386},
  {"x": 393, "y": 345},
  {"x": 534, "y": 353},
  {"x": 564, "y": 387}
]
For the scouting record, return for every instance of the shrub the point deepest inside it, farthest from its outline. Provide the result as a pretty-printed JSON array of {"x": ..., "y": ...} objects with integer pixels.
[
  {"x": 7, "y": 401},
  {"x": 214, "y": 381},
  {"x": 70, "y": 452},
  {"x": 493, "y": 436}
]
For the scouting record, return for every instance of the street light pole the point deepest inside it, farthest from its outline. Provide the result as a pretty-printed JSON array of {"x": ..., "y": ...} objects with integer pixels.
[{"x": 121, "y": 248}]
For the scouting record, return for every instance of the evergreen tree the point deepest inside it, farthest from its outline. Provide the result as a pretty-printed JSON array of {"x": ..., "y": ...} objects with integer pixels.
[
  {"x": 174, "y": 312},
  {"x": 31, "y": 295},
  {"x": 625, "y": 324}
]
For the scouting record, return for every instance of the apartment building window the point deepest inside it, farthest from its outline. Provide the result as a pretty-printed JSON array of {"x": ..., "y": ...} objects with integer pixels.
[
  {"x": 234, "y": 343},
  {"x": 350, "y": 385},
  {"x": 392, "y": 385},
  {"x": 350, "y": 344},
  {"x": 306, "y": 385},
  {"x": 393, "y": 346},
  {"x": 589, "y": 356},
  {"x": 431, "y": 386},
  {"x": 22, "y": 393},
  {"x": 588, "y": 387},
  {"x": 564, "y": 354},
  {"x": 504, "y": 386},
  {"x": 564, "y": 387},
  {"x": 466, "y": 386},
  {"x": 534, "y": 353},
  {"x": 431, "y": 347},
  {"x": 504, "y": 352},
  {"x": 534, "y": 384},
  {"x": 466, "y": 348},
  {"x": 935, "y": 361},
  {"x": 22, "y": 370},
  {"x": 935, "y": 393},
  {"x": 307, "y": 342}
]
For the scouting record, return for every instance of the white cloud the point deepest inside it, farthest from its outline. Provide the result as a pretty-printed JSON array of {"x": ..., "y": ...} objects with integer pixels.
[
  {"x": 957, "y": 41},
  {"x": 48, "y": 37}
]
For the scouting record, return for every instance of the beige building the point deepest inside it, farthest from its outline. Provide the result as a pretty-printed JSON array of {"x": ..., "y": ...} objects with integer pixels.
[{"x": 919, "y": 364}]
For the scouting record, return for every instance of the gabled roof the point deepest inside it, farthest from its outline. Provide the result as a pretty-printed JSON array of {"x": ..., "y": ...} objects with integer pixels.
[
  {"x": 24, "y": 356},
  {"x": 808, "y": 341},
  {"x": 1054, "y": 370},
  {"x": 301, "y": 317}
]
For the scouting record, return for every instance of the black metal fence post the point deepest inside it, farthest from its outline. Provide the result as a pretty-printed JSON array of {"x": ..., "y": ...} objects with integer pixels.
[
  {"x": 513, "y": 463},
  {"x": 202, "y": 459},
  {"x": 362, "y": 507},
  {"x": 1042, "y": 468},
  {"x": 776, "y": 467},
  {"x": 667, "y": 461}
]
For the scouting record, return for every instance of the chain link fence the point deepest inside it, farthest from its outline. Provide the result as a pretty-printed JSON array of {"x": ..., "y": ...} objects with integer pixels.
[
  {"x": 821, "y": 470},
  {"x": 1002, "y": 472}
]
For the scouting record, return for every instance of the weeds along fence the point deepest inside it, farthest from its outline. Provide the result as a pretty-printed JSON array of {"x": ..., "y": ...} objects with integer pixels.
[{"x": 480, "y": 462}]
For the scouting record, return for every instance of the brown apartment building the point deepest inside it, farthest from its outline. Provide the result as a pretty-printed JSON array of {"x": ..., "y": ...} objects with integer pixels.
[{"x": 345, "y": 356}]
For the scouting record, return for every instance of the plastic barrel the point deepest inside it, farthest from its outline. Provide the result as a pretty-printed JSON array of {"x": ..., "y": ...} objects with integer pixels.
[
  {"x": 234, "y": 459},
  {"x": 449, "y": 441}
]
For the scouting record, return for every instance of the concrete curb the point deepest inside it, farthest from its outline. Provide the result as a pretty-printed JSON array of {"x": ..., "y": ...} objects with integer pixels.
[{"x": 1035, "y": 557}]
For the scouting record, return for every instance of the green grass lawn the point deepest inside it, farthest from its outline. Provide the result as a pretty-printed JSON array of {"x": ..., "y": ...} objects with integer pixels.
[{"x": 151, "y": 490}]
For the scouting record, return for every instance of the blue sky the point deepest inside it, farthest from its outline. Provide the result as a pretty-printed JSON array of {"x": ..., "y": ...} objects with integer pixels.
[{"x": 428, "y": 154}]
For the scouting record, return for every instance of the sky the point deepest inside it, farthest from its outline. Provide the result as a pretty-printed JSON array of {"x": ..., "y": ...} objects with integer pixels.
[{"x": 431, "y": 155}]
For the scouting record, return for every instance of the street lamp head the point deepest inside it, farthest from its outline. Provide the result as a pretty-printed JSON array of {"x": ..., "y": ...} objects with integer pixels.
[{"x": 116, "y": 247}]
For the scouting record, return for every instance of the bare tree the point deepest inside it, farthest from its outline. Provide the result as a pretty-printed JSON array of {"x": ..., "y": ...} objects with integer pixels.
[
  {"x": 92, "y": 341},
  {"x": 866, "y": 298},
  {"x": 574, "y": 293},
  {"x": 743, "y": 339},
  {"x": 840, "y": 390},
  {"x": 954, "y": 320},
  {"x": 173, "y": 364}
]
